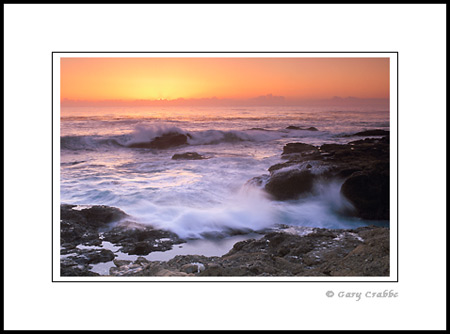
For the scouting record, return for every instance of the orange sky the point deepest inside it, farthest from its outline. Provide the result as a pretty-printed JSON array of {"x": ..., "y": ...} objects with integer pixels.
[{"x": 97, "y": 79}]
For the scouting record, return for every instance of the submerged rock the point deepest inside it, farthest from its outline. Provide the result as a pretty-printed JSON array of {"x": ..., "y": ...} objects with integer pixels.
[
  {"x": 298, "y": 148},
  {"x": 188, "y": 156},
  {"x": 376, "y": 132},
  {"x": 293, "y": 127},
  {"x": 165, "y": 141}
]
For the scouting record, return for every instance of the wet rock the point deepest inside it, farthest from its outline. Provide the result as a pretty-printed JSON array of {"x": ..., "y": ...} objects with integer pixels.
[
  {"x": 100, "y": 215},
  {"x": 290, "y": 184},
  {"x": 192, "y": 268},
  {"x": 290, "y": 251},
  {"x": 81, "y": 226},
  {"x": 170, "y": 273},
  {"x": 142, "y": 267},
  {"x": 321, "y": 252},
  {"x": 76, "y": 265},
  {"x": 368, "y": 141},
  {"x": 97, "y": 256},
  {"x": 91, "y": 217},
  {"x": 188, "y": 156},
  {"x": 259, "y": 129},
  {"x": 141, "y": 240},
  {"x": 165, "y": 141},
  {"x": 258, "y": 181},
  {"x": 280, "y": 166},
  {"x": 298, "y": 148},
  {"x": 376, "y": 132},
  {"x": 133, "y": 269},
  {"x": 77, "y": 271},
  {"x": 104, "y": 255},
  {"x": 293, "y": 127},
  {"x": 362, "y": 165},
  {"x": 213, "y": 270},
  {"x": 369, "y": 258},
  {"x": 86, "y": 257},
  {"x": 90, "y": 226},
  {"x": 369, "y": 193},
  {"x": 119, "y": 263}
]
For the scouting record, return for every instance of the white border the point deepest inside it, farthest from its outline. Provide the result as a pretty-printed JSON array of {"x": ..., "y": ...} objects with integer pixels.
[
  {"x": 33, "y": 31},
  {"x": 393, "y": 165}
]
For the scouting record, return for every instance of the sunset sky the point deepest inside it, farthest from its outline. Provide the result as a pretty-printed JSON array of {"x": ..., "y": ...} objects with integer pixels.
[{"x": 129, "y": 79}]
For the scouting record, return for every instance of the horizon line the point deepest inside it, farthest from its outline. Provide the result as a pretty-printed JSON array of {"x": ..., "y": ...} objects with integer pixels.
[{"x": 268, "y": 99}]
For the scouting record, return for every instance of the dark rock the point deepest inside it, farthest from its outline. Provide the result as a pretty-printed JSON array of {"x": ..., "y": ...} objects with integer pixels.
[
  {"x": 368, "y": 190},
  {"x": 101, "y": 215},
  {"x": 82, "y": 226},
  {"x": 345, "y": 173},
  {"x": 86, "y": 257},
  {"x": 298, "y": 148},
  {"x": 95, "y": 256},
  {"x": 312, "y": 252},
  {"x": 93, "y": 225},
  {"x": 165, "y": 141},
  {"x": 369, "y": 193},
  {"x": 290, "y": 184},
  {"x": 119, "y": 263},
  {"x": 376, "y": 132},
  {"x": 141, "y": 248},
  {"x": 141, "y": 240},
  {"x": 258, "y": 181},
  {"x": 193, "y": 268},
  {"x": 77, "y": 271},
  {"x": 332, "y": 148},
  {"x": 92, "y": 217},
  {"x": 280, "y": 166},
  {"x": 370, "y": 258},
  {"x": 259, "y": 129},
  {"x": 188, "y": 156},
  {"x": 367, "y": 141},
  {"x": 293, "y": 127}
]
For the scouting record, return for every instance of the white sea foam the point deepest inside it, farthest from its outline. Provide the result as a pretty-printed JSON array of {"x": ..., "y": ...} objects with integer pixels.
[
  {"x": 204, "y": 197},
  {"x": 146, "y": 133}
]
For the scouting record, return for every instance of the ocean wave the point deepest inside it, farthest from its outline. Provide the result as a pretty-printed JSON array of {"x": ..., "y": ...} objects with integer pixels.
[
  {"x": 146, "y": 134},
  {"x": 87, "y": 143}
]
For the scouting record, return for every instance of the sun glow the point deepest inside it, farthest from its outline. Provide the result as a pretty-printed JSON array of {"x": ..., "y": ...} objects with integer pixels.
[{"x": 94, "y": 79}]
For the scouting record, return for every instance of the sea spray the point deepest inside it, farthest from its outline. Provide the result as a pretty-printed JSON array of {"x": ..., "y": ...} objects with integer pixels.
[
  {"x": 249, "y": 210},
  {"x": 205, "y": 197},
  {"x": 146, "y": 133}
]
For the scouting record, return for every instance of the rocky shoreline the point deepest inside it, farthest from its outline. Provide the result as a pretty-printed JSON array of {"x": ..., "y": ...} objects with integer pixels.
[
  {"x": 361, "y": 165},
  {"x": 283, "y": 251},
  {"x": 289, "y": 252}
]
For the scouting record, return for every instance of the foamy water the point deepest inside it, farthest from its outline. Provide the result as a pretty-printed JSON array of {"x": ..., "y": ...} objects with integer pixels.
[{"x": 194, "y": 198}]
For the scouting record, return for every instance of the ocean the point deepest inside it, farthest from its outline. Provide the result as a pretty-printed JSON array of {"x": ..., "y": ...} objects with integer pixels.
[{"x": 197, "y": 199}]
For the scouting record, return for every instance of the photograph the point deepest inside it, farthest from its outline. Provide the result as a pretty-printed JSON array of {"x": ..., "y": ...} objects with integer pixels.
[{"x": 225, "y": 166}]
